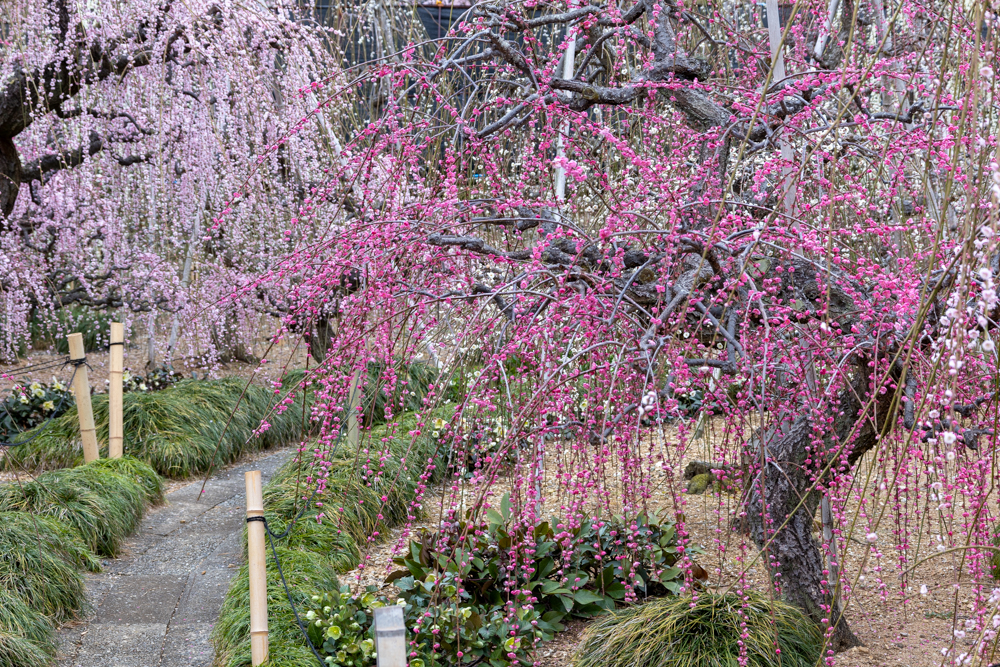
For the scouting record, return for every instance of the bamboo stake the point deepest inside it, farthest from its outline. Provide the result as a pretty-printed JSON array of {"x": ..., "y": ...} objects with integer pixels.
[
  {"x": 353, "y": 418},
  {"x": 115, "y": 428},
  {"x": 258, "y": 572},
  {"x": 81, "y": 391}
]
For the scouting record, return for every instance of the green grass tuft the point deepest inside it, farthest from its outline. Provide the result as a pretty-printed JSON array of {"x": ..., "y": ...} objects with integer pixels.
[
  {"x": 18, "y": 651},
  {"x": 104, "y": 506},
  {"x": 40, "y": 561},
  {"x": 676, "y": 632},
  {"x": 138, "y": 471},
  {"x": 176, "y": 430},
  {"x": 27, "y": 638}
]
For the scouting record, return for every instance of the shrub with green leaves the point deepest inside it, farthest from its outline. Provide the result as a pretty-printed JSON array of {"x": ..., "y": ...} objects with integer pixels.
[
  {"x": 491, "y": 591},
  {"x": 341, "y": 626},
  {"x": 579, "y": 571},
  {"x": 29, "y": 405},
  {"x": 683, "y": 631}
]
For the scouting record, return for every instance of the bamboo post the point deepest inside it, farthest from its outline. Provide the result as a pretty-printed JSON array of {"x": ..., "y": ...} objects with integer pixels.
[
  {"x": 258, "y": 572},
  {"x": 115, "y": 428},
  {"x": 390, "y": 637},
  {"x": 355, "y": 397},
  {"x": 81, "y": 391},
  {"x": 353, "y": 419}
]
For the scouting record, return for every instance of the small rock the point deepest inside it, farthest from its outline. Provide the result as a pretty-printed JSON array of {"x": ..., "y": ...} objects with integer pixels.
[{"x": 699, "y": 483}]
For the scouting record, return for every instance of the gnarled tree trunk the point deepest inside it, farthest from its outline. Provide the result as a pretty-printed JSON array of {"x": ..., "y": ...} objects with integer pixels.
[
  {"x": 783, "y": 497},
  {"x": 10, "y": 175}
]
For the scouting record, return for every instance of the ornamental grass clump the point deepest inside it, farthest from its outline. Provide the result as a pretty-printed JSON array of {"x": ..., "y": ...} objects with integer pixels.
[
  {"x": 40, "y": 562},
  {"x": 138, "y": 471},
  {"x": 683, "y": 632},
  {"x": 27, "y": 638},
  {"x": 102, "y": 505}
]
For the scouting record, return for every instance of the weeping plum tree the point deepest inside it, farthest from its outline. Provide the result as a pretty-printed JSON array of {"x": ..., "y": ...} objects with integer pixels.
[
  {"x": 598, "y": 209},
  {"x": 123, "y": 126}
]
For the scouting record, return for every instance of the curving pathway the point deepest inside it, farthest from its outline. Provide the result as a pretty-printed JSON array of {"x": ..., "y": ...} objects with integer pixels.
[{"x": 155, "y": 607}]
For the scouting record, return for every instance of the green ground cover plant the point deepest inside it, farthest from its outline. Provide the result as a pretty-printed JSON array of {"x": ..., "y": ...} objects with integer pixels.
[
  {"x": 685, "y": 632},
  {"x": 27, "y": 638},
  {"x": 102, "y": 504},
  {"x": 181, "y": 430},
  {"x": 488, "y": 592},
  {"x": 318, "y": 548},
  {"x": 41, "y": 559}
]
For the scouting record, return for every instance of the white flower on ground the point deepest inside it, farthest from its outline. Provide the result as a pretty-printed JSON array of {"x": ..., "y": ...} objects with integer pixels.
[{"x": 923, "y": 590}]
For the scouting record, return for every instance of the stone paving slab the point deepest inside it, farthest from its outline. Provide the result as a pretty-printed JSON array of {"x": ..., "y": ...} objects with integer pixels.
[{"x": 155, "y": 606}]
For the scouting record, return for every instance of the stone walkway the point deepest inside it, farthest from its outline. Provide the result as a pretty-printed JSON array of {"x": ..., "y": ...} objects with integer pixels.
[{"x": 155, "y": 606}]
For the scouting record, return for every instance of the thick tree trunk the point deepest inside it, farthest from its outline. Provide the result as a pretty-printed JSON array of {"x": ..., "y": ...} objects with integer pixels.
[
  {"x": 10, "y": 176},
  {"x": 319, "y": 341},
  {"x": 228, "y": 345},
  {"x": 785, "y": 534},
  {"x": 782, "y": 500}
]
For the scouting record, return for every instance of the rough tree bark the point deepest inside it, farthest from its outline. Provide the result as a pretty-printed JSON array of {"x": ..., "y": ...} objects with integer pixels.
[{"x": 783, "y": 497}]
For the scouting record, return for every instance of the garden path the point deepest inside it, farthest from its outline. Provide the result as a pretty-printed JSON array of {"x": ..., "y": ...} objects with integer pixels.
[{"x": 155, "y": 606}]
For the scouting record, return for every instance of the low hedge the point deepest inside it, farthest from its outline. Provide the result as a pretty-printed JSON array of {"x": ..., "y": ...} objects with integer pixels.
[{"x": 104, "y": 505}]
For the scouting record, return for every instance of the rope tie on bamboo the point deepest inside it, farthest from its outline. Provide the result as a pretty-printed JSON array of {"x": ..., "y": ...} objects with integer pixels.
[{"x": 80, "y": 362}]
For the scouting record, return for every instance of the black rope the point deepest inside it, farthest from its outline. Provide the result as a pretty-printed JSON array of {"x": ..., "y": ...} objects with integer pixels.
[
  {"x": 34, "y": 368},
  {"x": 80, "y": 362},
  {"x": 288, "y": 593}
]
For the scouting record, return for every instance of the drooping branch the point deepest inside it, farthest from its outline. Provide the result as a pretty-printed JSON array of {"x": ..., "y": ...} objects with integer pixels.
[{"x": 37, "y": 169}]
